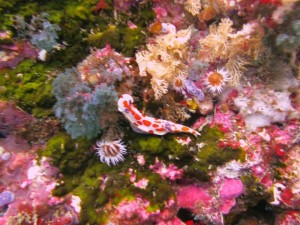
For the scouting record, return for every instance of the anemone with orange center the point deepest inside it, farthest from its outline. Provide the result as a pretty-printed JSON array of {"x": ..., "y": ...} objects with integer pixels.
[
  {"x": 110, "y": 151},
  {"x": 215, "y": 80},
  {"x": 179, "y": 83}
]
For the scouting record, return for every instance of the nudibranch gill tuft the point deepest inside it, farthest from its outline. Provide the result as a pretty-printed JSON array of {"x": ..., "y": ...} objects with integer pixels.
[{"x": 145, "y": 124}]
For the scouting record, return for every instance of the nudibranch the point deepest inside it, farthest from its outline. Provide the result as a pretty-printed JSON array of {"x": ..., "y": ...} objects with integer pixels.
[{"x": 145, "y": 124}]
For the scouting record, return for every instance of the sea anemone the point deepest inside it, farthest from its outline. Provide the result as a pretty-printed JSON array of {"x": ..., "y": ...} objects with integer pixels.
[
  {"x": 179, "y": 83},
  {"x": 110, "y": 151},
  {"x": 215, "y": 80}
]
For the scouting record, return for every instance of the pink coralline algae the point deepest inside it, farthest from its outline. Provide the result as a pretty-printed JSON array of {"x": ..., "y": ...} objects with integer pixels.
[
  {"x": 171, "y": 171},
  {"x": 26, "y": 187},
  {"x": 229, "y": 190},
  {"x": 167, "y": 12},
  {"x": 190, "y": 196},
  {"x": 103, "y": 66},
  {"x": 125, "y": 5},
  {"x": 141, "y": 159},
  {"x": 288, "y": 218},
  {"x": 12, "y": 118},
  {"x": 132, "y": 212},
  {"x": 136, "y": 211},
  {"x": 200, "y": 200},
  {"x": 142, "y": 183},
  {"x": 13, "y": 54},
  {"x": 288, "y": 193},
  {"x": 285, "y": 135},
  {"x": 224, "y": 120}
]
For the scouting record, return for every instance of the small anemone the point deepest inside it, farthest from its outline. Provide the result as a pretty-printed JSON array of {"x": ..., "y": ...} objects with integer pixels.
[
  {"x": 111, "y": 151},
  {"x": 216, "y": 80}
]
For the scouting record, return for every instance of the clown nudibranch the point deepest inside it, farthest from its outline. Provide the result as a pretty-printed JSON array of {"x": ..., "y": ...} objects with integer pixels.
[{"x": 145, "y": 124}]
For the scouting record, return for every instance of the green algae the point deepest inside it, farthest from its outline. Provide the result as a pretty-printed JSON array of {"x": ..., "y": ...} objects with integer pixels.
[
  {"x": 29, "y": 86},
  {"x": 121, "y": 37},
  {"x": 98, "y": 184},
  {"x": 110, "y": 35},
  {"x": 28, "y": 83},
  {"x": 164, "y": 146},
  {"x": 133, "y": 39},
  {"x": 254, "y": 190},
  {"x": 198, "y": 162},
  {"x": 68, "y": 155},
  {"x": 209, "y": 156}
]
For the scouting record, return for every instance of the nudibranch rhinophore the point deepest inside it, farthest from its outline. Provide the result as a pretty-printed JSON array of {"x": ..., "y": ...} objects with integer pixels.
[{"x": 149, "y": 125}]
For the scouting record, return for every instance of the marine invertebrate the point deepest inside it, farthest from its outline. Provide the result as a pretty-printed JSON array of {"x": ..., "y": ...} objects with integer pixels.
[
  {"x": 86, "y": 96},
  {"x": 6, "y": 197},
  {"x": 193, "y": 90},
  {"x": 264, "y": 107},
  {"x": 81, "y": 106},
  {"x": 145, "y": 124},
  {"x": 193, "y": 6},
  {"x": 179, "y": 83},
  {"x": 215, "y": 80},
  {"x": 165, "y": 59},
  {"x": 103, "y": 66},
  {"x": 41, "y": 33},
  {"x": 236, "y": 48},
  {"x": 110, "y": 151}
]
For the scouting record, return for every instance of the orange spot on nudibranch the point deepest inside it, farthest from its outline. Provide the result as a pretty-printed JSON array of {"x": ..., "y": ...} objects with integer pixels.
[
  {"x": 146, "y": 123},
  {"x": 185, "y": 129},
  {"x": 126, "y": 104},
  {"x": 150, "y": 132},
  {"x": 160, "y": 129},
  {"x": 155, "y": 125},
  {"x": 140, "y": 122},
  {"x": 137, "y": 117}
]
